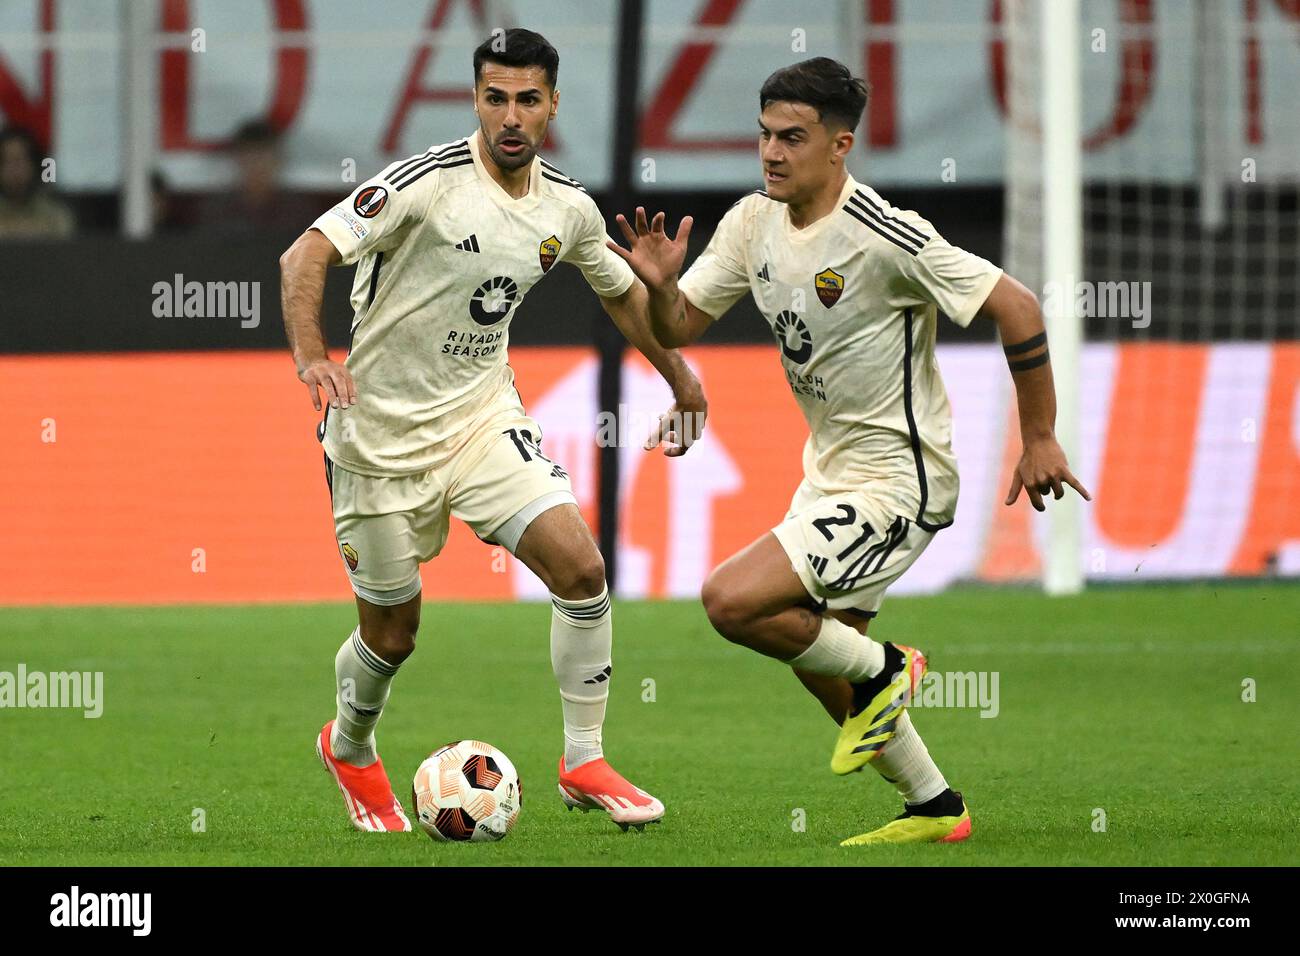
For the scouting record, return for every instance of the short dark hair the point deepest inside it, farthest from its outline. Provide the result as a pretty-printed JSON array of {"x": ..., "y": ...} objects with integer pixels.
[
  {"x": 822, "y": 83},
  {"x": 520, "y": 48}
]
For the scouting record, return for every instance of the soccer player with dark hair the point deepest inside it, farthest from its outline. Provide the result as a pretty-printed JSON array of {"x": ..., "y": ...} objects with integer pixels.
[
  {"x": 851, "y": 286},
  {"x": 424, "y": 420}
]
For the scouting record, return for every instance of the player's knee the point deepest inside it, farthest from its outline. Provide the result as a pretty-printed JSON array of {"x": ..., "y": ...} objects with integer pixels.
[
  {"x": 394, "y": 643},
  {"x": 726, "y": 608},
  {"x": 583, "y": 578},
  {"x": 393, "y": 638}
]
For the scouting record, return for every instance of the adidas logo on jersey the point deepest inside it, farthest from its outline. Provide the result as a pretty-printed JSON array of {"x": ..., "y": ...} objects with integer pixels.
[
  {"x": 468, "y": 245},
  {"x": 762, "y": 274}
]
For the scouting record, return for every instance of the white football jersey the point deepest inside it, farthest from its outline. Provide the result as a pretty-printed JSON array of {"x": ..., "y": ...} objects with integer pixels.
[
  {"x": 851, "y": 300},
  {"x": 445, "y": 257}
]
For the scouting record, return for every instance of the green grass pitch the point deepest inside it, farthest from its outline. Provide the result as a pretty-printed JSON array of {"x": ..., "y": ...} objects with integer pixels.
[{"x": 1127, "y": 700}]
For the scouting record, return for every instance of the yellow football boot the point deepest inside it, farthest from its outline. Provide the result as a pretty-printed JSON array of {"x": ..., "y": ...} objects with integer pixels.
[
  {"x": 911, "y": 829},
  {"x": 870, "y": 725}
]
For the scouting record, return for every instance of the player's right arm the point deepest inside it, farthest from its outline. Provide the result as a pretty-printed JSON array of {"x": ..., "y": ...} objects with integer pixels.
[
  {"x": 375, "y": 218},
  {"x": 715, "y": 280},
  {"x": 302, "y": 287}
]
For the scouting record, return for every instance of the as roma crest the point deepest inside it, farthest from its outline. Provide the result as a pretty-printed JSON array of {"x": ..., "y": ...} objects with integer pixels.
[
  {"x": 830, "y": 286},
  {"x": 548, "y": 252},
  {"x": 350, "y": 555}
]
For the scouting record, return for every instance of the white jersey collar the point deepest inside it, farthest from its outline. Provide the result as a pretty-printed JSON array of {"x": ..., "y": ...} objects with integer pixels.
[
  {"x": 499, "y": 195},
  {"x": 814, "y": 229}
]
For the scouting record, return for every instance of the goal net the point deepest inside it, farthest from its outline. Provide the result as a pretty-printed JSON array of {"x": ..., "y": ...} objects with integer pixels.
[{"x": 1186, "y": 416}]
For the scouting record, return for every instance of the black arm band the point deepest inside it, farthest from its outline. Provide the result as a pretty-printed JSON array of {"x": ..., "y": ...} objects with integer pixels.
[
  {"x": 1028, "y": 345},
  {"x": 1024, "y": 365}
]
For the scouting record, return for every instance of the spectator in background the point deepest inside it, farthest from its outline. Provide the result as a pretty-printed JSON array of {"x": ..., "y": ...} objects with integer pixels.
[
  {"x": 27, "y": 209},
  {"x": 257, "y": 203}
]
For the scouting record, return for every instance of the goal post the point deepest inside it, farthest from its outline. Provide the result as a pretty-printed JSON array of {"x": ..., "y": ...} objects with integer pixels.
[
  {"x": 1044, "y": 225},
  {"x": 1062, "y": 268}
]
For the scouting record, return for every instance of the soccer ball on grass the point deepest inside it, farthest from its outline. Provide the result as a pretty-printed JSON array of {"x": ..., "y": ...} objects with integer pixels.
[{"x": 467, "y": 791}]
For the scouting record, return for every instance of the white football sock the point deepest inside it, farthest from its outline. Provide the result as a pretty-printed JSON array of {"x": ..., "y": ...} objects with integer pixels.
[
  {"x": 907, "y": 764},
  {"x": 840, "y": 651},
  {"x": 362, "y": 679},
  {"x": 582, "y": 635}
]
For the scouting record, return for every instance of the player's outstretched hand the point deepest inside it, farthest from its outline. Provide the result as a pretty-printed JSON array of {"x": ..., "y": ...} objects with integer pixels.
[
  {"x": 680, "y": 426},
  {"x": 331, "y": 378},
  {"x": 654, "y": 257},
  {"x": 1043, "y": 469}
]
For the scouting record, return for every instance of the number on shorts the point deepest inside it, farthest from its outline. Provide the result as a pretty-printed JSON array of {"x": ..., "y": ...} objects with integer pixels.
[
  {"x": 857, "y": 542},
  {"x": 824, "y": 524},
  {"x": 526, "y": 445}
]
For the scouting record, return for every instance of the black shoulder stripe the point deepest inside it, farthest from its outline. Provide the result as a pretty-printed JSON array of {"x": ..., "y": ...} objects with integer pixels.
[
  {"x": 425, "y": 170},
  {"x": 553, "y": 168},
  {"x": 435, "y": 153},
  {"x": 756, "y": 192},
  {"x": 874, "y": 215},
  {"x": 410, "y": 168},
  {"x": 563, "y": 182},
  {"x": 561, "y": 173},
  {"x": 878, "y": 231},
  {"x": 908, "y": 228},
  {"x": 403, "y": 165},
  {"x": 560, "y": 176},
  {"x": 407, "y": 165}
]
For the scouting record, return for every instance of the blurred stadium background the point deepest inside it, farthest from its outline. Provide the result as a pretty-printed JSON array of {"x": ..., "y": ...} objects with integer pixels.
[{"x": 173, "y": 141}]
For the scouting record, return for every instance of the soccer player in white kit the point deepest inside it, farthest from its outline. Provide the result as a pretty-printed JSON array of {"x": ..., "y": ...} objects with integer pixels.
[
  {"x": 850, "y": 286},
  {"x": 424, "y": 421}
]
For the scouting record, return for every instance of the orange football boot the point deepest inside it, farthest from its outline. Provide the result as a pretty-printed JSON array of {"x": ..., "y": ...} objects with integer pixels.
[
  {"x": 366, "y": 791},
  {"x": 598, "y": 786}
]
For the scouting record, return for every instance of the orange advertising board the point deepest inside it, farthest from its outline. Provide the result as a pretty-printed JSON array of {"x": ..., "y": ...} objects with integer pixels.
[{"x": 196, "y": 477}]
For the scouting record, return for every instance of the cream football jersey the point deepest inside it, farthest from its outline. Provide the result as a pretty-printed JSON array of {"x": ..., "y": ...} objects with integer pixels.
[
  {"x": 851, "y": 300},
  {"x": 444, "y": 258}
]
